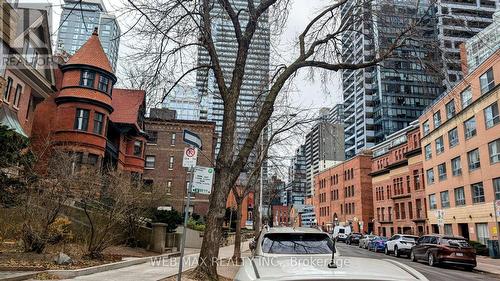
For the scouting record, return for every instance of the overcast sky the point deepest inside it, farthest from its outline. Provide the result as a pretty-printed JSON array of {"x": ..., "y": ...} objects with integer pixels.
[{"x": 308, "y": 93}]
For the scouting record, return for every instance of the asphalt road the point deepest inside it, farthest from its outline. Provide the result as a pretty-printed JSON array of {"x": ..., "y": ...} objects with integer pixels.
[{"x": 432, "y": 273}]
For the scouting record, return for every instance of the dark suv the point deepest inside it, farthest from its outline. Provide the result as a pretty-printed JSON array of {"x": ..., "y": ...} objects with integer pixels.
[
  {"x": 353, "y": 238},
  {"x": 445, "y": 249}
]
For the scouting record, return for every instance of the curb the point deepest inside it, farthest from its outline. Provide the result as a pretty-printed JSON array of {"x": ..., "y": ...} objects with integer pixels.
[
  {"x": 244, "y": 248},
  {"x": 72, "y": 273},
  {"x": 486, "y": 271},
  {"x": 25, "y": 276}
]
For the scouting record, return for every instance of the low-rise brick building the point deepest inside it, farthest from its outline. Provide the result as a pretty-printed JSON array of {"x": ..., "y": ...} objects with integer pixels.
[
  {"x": 343, "y": 195},
  {"x": 280, "y": 215},
  {"x": 164, "y": 154},
  {"x": 87, "y": 117},
  {"x": 461, "y": 147},
  {"x": 247, "y": 208},
  {"x": 398, "y": 188}
]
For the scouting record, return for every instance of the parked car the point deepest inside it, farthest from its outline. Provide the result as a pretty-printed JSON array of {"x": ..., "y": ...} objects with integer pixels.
[
  {"x": 444, "y": 249},
  {"x": 377, "y": 244},
  {"x": 400, "y": 244},
  {"x": 300, "y": 254},
  {"x": 363, "y": 241},
  {"x": 340, "y": 233},
  {"x": 353, "y": 238}
]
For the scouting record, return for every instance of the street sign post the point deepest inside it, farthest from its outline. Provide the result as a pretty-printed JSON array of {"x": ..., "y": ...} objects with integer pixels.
[
  {"x": 186, "y": 216},
  {"x": 188, "y": 161}
]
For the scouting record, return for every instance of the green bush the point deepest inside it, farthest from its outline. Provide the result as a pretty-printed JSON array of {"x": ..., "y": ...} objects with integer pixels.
[
  {"x": 171, "y": 218},
  {"x": 195, "y": 225}
]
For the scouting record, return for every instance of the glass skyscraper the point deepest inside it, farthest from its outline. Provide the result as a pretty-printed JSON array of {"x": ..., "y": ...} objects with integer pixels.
[
  {"x": 255, "y": 81},
  {"x": 185, "y": 101},
  {"x": 383, "y": 99},
  {"x": 457, "y": 22},
  {"x": 78, "y": 20}
]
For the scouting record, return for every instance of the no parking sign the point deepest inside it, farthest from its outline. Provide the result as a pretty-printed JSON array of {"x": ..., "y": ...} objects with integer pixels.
[{"x": 190, "y": 156}]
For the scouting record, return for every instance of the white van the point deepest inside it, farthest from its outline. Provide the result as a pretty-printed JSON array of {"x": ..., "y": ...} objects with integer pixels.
[{"x": 340, "y": 233}]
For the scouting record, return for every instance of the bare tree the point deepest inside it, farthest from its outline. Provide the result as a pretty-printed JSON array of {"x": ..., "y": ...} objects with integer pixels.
[
  {"x": 43, "y": 202},
  {"x": 285, "y": 125},
  {"x": 171, "y": 32},
  {"x": 110, "y": 202}
]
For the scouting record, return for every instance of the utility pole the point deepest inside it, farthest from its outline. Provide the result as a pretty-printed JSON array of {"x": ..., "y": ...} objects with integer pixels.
[
  {"x": 189, "y": 160},
  {"x": 186, "y": 217}
]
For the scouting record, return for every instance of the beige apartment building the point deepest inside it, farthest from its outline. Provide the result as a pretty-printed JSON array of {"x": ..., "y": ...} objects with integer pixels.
[{"x": 461, "y": 155}]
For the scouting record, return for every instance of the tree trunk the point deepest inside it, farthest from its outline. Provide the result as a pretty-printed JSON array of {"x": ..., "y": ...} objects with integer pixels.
[
  {"x": 237, "y": 236},
  {"x": 209, "y": 253}
]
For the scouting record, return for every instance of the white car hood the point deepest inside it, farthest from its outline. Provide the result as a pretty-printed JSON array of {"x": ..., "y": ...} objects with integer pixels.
[{"x": 315, "y": 268}]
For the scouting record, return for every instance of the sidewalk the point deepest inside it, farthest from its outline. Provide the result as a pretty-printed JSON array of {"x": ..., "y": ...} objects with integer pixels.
[
  {"x": 156, "y": 268},
  {"x": 488, "y": 265}
]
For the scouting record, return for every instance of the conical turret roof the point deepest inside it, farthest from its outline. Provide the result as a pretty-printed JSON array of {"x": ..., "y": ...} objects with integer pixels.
[{"x": 92, "y": 53}]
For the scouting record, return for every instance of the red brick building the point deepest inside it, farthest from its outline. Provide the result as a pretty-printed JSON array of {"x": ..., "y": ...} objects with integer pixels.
[
  {"x": 398, "y": 186},
  {"x": 87, "y": 117},
  {"x": 461, "y": 147},
  {"x": 280, "y": 215},
  {"x": 164, "y": 154},
  {"x": 246, "y": 209},
  {"x": 26, "y": 76},
  {"x": 343, "y": 195}
]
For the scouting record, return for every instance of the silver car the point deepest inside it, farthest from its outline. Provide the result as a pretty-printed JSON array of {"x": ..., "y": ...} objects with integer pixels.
[
  {"x": 363, "y": 241},
  {"x": 306, "y": 254}
]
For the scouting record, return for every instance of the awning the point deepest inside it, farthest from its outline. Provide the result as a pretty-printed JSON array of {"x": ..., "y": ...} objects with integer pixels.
[{"x": 9, "y": 118}]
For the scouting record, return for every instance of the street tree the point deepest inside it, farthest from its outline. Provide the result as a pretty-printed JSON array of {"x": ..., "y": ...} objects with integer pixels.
[{"x": 168, "y": 34}]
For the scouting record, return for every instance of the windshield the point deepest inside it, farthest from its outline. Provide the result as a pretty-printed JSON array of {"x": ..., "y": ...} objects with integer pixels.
[
  {"x": 297, "y": 243},
  {"x": 341, "y": 230},
  {"x": 455, "y": 242},
  {"x": 409, "y": 238}
]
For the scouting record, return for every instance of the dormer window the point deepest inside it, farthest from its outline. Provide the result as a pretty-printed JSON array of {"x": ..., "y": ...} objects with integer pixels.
[
  {"x": 103, "y": 83},
  {"x": 87, "y": 78}
]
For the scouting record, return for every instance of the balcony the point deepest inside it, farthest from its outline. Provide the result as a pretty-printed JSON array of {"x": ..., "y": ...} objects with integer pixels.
[{"x": 419, "y": 218}]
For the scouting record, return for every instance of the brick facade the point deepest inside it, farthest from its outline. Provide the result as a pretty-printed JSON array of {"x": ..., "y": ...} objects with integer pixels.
[
  {"x": 23, "y": 83},
  {"x": 463, "y": 161},
  {"x": 280, "y": 215},
  {"x": 398, "y": 187},
  {"x": 246, "y": 209},
  {"x": 165, "y": 143},
  {"x": 343, "y": 195},
  {"x": 99, "y": 125}
]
